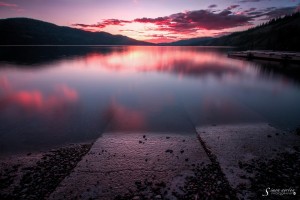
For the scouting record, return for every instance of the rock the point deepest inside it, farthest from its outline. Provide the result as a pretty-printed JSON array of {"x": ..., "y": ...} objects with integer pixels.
[
  {"x": 298, "y": 131},
  {"x": 169, "y": 151},
  {"x": 138, "y": 183}
]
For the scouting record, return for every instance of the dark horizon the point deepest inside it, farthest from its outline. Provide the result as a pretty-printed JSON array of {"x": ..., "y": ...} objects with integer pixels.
[
  {"x": 168, "y": 21},
  {"x": 280, "y": 33}
]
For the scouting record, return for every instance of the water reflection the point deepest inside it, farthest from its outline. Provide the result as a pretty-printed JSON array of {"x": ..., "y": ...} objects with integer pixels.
[
  {"x": 29, "y": 102},
  {"x": 53, "y": 95},
  {"x": 168, "y": 60},
  {"x": 125, "y": 118},
  {"x": 36, "y": 56}
]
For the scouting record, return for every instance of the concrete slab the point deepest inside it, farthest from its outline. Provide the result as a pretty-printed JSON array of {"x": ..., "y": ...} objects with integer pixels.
[
  {"x": 232, "y": 144},
  {"x": 118, "y": 162}
]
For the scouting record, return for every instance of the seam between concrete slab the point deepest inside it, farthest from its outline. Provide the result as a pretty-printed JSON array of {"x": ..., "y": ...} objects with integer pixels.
[
  {"x": 214, "y": 161},
  {"x": 211, "y": 156},
  {"x": 113, "y": 171}
]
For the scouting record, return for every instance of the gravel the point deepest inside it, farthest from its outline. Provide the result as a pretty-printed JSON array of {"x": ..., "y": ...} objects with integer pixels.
[
  {"x": 206, "y": 183},
  {"x": 39, "y": 180},
  {"x": 280, "y": 172}
]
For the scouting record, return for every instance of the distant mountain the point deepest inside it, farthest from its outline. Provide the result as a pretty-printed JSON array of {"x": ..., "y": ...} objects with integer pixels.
[
  {"x": 277, "y": 34},
  {"x": 189, "y": 42},
  {"x": 25, "y": 31}
]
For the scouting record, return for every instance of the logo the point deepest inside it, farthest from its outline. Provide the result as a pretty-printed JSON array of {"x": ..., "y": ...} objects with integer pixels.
[{"x": 281, "y": 192}]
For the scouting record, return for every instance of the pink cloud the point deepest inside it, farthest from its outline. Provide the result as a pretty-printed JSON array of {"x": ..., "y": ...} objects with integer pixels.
[
  {"x": 184, "y": 22},
  {"x": 191, "y": 21},
  {"x": 233, "y": 7},
  {"x": 103, "y": 24},
  {"x": 196, "y": 22},
  {"x": 159, "y": 38},
  {"x": 3, "y": 4}
]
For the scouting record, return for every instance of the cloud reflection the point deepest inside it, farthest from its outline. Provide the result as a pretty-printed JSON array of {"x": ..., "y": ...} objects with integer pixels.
[
  {"x": 188, "y": 61},
  {"x": 183, "y": 61},
  {"x": 124, "y": 118},
  {"x": 34, "y": 101},
  {"x": 4, "y": 84}
]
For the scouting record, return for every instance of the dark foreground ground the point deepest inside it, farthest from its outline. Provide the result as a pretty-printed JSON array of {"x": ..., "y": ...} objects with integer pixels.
[
  {"x": 219, "y": 162},
  {"x": 36, "y": 176}
]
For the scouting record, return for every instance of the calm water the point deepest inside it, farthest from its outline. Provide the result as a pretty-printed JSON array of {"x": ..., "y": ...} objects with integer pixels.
[{"x": 55, "y": 95}]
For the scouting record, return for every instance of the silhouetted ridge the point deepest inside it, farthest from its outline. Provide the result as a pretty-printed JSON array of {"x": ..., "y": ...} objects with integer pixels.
[
  {"x": 25, "y": 31},
  {"x": 189, "y": 42},
  {"x": 277, "y": 34}
]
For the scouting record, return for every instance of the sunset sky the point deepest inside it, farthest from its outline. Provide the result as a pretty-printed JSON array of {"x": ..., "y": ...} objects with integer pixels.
[{"x": 152, "y": 20}]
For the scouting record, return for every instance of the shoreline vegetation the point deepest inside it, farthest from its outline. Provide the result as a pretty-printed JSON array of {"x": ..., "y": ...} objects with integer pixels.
[{"x": 277, "y": 34}]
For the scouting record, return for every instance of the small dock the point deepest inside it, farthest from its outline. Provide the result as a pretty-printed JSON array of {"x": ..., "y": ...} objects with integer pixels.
[{"x": 267, "y": 55}]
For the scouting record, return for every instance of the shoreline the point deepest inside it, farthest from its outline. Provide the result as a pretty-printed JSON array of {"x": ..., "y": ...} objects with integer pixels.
[
  {"x": 36, "y": 175},
  {"x": 39, "y": 175}
]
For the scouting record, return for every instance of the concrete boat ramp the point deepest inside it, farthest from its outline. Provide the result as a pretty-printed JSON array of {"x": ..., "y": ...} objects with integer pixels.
[
  {"x": 119, "y": 163},
  {"x": 168, "y": 166}
]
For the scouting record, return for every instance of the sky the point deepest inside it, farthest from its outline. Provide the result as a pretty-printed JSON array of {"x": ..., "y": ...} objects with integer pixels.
[{"x": 153, "y": 20}]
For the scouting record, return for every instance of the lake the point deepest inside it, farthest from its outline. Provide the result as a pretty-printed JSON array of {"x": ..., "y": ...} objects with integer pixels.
[{"x": 50, "y": 96}]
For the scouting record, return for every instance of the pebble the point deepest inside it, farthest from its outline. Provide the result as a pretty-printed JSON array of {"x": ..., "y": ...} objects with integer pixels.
[
  {"x": 37, "y": 181},
  {"x": 169, "y": 151}
]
